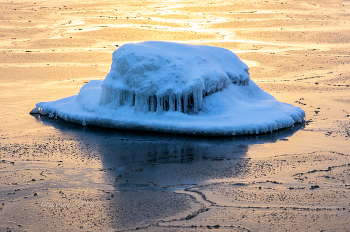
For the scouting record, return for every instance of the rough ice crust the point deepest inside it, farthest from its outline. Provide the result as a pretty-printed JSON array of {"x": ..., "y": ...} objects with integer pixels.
[
  {"x": 175, "y": 88},
  {"x": 162, "y": 76}
]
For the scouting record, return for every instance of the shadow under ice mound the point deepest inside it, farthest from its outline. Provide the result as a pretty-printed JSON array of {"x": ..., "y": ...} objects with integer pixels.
[{"x": 175, "y": 88}]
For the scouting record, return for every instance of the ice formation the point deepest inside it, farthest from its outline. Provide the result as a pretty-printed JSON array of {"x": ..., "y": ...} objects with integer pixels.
[
  {"x": 175, "y": 88},
  {"x": 161, "y": 76}
]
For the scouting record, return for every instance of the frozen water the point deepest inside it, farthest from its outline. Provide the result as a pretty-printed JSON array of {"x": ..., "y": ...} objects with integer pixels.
[
  {"x": 175, "y": 88},
  {"x": 162, "y": 76}
]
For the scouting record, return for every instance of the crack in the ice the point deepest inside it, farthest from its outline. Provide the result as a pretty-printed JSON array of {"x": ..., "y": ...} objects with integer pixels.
[
  {"x": 322, "y": 170},
  {"x": 202, "y": 195}
]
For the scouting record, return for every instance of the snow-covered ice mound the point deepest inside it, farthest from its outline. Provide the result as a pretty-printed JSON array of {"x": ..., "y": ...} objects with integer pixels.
[{"x": 175, "y": 88}]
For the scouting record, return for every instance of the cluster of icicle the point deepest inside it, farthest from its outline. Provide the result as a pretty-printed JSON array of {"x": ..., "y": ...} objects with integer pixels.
[{"x": 190, "y": 102}]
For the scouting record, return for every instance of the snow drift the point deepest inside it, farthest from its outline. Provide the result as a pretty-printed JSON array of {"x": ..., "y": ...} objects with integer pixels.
[{"x": 175, "y": 88}]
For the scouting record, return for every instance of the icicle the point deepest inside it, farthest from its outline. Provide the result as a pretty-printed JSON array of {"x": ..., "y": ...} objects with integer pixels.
[
  {"x": 195, "y": 101},
  {"x": 200, "y": 99},
  {"x": 130, "y": 98},
  {"x": 113, "y": 98},
  {"x": 105, "y": 95},
  {"x": 125, "y": 96},
  {"x": 166, "y": 103},
  {"x": 153, "y": 103},
  {"x": 175, "y": 102},
  {"x": 109, "y": 92},
  {"x": 116, "y": 97},
  {"x": 172, "y": 102},
  {"x": 185, "y": 104},
  {"x": 84, "y": 123},
  {"x": 149, "y": 103},
  {"x": 159, "y": 104},
  {"x": 120, "y": 98},
  {"x": 145, "y": 103},
  {"x": 133, "y": 99},
  {"x": 142, "y": 103},
  {"x": 179, "y": 103},
  {"x": 137, "y": 103}
]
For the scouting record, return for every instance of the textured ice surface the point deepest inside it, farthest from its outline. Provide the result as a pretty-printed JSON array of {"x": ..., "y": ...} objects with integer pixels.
[
  {"x": 162, "y": 76},
  {"x": 175, "y": 88}
]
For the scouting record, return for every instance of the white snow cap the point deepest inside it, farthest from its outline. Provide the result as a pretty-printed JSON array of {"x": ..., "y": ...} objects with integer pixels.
[
  {"x": 158, "y": 68},
  {"x": 175, "y": 88}
]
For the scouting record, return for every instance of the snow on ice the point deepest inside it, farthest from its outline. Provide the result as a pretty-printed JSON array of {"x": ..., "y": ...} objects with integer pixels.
[{"x": 175, "y": 88}]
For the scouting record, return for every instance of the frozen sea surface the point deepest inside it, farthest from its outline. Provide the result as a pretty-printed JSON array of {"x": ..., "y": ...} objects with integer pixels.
[{"x": 294, "y": 179}]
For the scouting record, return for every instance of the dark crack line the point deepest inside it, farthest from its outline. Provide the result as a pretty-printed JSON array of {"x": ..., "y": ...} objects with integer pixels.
[
  {"x": 204, "y": 198},
  {"x": 320, "y": 170}
]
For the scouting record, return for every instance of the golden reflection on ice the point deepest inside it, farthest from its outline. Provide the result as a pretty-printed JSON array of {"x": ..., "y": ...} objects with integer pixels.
[{"x": 296, "y": 50}]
